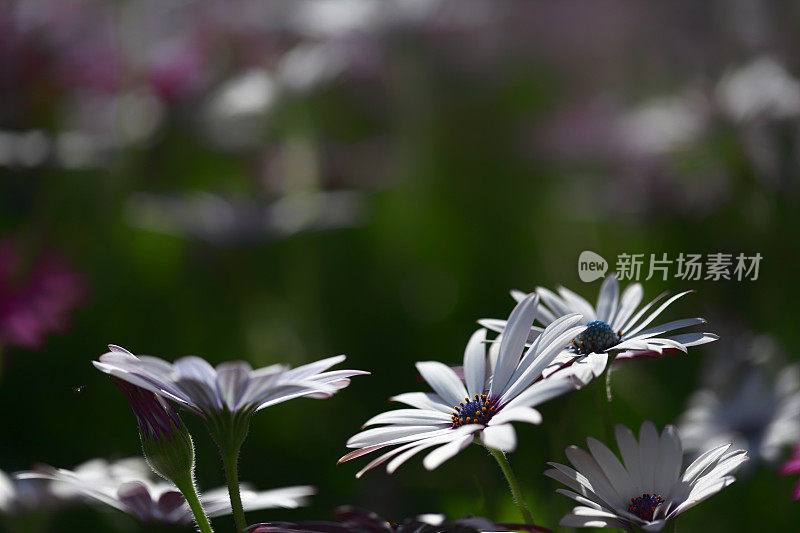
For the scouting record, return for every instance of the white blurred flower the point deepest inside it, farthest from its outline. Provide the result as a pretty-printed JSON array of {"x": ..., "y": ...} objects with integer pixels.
[
  {"x": 762, "y": 88},
  {"x": 19, "y": 496},
  {"x": 129, "y": 486},
  {"x": 661, "y": 125},
  {"x": 748, "y": 407}
]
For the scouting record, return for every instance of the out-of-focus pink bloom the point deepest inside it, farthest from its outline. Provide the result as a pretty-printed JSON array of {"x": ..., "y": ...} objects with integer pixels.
[
  {"x": 791, "y": 467},
  {"x": 37, "y": 295}
]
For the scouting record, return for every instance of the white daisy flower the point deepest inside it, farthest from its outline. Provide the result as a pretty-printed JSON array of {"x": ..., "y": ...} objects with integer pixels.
[
  {"x": 131, "y": 488},
  {"x": 20, "y": 496},
  {"x": 646, "y": 490},
  {"x": 494, "y": 393},
  {"x": 226, "y": 396},
  {"x": 616, "y": 324},
  {"x": 752, "y": 408},
  {"x": 232, "y": 386}
]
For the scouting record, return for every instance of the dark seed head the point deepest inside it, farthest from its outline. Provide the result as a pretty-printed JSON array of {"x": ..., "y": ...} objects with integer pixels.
[{"x": 597, "y": 337}]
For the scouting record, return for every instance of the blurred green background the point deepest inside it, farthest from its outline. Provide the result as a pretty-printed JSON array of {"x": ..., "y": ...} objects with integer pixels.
[{"x": 482, "y": 146}]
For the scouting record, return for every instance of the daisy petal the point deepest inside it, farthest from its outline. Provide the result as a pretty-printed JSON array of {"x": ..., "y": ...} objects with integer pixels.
[
  {"x": 501, "y": 437},
  {"x": 443, "y": 380},
  {"x": 475, "y": 363}
]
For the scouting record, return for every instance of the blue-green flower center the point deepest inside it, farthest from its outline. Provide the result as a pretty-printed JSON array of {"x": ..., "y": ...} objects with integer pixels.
[
  {"x": 477, "y": 410},
  {"x": 645, "y": 506},
  {"x": 597, "y": 337}
]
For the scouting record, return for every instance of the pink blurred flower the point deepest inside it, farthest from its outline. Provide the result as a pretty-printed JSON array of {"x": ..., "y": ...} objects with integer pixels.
[
  {"x": 791, "y": 467},
  {"x": 37, "y": 295}
]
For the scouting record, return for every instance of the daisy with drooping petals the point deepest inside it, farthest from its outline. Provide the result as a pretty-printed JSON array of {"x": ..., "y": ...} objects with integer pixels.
[
  {"x": 232, "y": 387},
  {"x": 645, "y": 490},
  {"x": 128, "y": 486},
  {"x": 226, "y": 396},
  {"x": 616, "y": 324},
  {"x": 493, "y": 394}
]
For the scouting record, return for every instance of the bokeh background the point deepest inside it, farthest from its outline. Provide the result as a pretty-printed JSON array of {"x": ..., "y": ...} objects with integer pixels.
[{"x": 290, "y": 180}]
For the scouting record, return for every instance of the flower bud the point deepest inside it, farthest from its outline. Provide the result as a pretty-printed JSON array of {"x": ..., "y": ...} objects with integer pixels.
[{"x": 166, "y": 442}]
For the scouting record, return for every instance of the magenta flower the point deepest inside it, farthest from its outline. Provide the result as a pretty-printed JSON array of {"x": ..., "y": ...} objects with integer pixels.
[
  {"x": 37, "y": 295},
  {"x": 791, "y": 467}
]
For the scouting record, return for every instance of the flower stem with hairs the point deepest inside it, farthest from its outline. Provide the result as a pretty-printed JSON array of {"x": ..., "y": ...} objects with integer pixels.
[
  {"x": 513, "y": 484},
  {"x": 229, "y": 430}
]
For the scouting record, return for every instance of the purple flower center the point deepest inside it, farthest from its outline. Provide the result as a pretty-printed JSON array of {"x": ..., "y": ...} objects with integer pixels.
[
  {"x": 597, "y": 337},
  {"x": 645, "y": 506},
  {"x": 478, "y": 410}
]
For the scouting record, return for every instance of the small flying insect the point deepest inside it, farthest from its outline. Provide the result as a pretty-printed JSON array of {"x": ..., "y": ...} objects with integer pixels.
[{"x": 77, "y": 389}]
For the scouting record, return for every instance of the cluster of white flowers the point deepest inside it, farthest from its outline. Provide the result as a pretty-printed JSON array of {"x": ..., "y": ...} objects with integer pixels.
[{"x": 551, "y": 344}]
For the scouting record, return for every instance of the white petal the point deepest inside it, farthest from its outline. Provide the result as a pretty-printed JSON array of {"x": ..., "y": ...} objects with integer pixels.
[
  {"x": 475, "y": 363},
  {"x": 664, "y": 328},
  {"x": 558, "y": 306},
  {"x": 700, "y": 493},
  {"x": 542, "y": 391},
  {"x": 577, "y": 304},
  {"x": 578, "y": 498},
  {"x": 702, "y": 463},
  {"x": 388, "y": 455},
  {"x": 311, "y": 369},
  {"x": 579, "y": 483},
  {"x": 543, "y": 356},
  {"x": 493, "y": 324},
  {"x": 632, "y": 322},
  {"x": 501, "y": 437},
  {"x": 452, "y": 435},
  {"x": 233, "y": 378},
  {"x": 607, "y": 299},
  {"x": 517, "y": 414},
  {"x": 612, "y": 468},
  {"x": 648, "y": 454},
  {"x": 577, "y": 520},
  {"x": 392, "y": 435},
  {"x": 443, "y": 380},
  {"x": 655, "y": 313},
  {"x": 629, "y": 449},
  {"x": 518, "y": 295},
  {"x": 586, "y": 465},
  {"x": 441, "y": 454},
  {"x": 513, "y": 342},
  {"x": 631, "y": 297},
  {"x": 694, "y": 339},
  {"x": 670, "y": 461},
  {"x": 423, "y": 400},
  {"x": 729, "y": 462},
  {"x": 409, "y": 417}
]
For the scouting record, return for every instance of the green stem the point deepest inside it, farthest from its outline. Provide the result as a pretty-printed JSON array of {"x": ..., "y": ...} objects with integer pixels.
[
  {"x": 604, "y": 399},
  {"x": 189, "y": 492},
  {"x": 604, "y": 409},
  {"x": 513, "y": 484},
  {"x": 230, "y": 462},
  {"x": 229, "y": 431}
]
